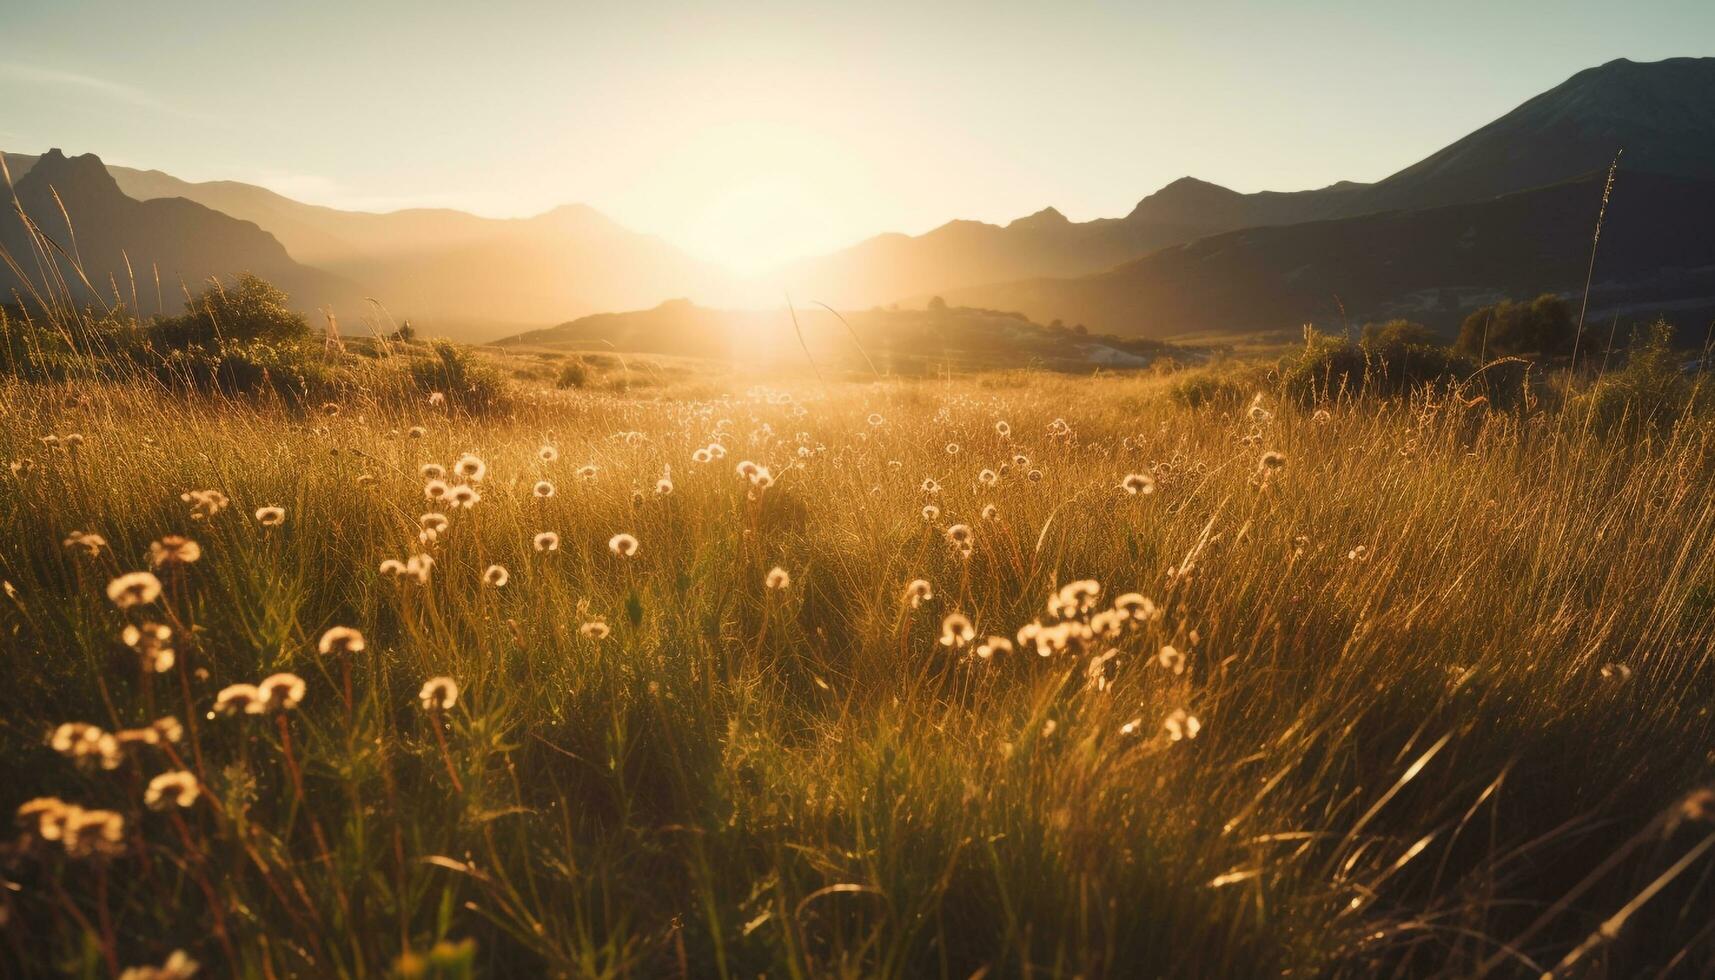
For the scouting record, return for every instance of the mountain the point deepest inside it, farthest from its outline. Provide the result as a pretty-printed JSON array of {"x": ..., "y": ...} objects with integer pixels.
[
  {"x": 447, "y": 268},
  {"x": 1662, "y": 113},
  {"x": 121, "y": 242},
  {"x": 1433, "y": 265},
  {"x": 890, "y": 341}
]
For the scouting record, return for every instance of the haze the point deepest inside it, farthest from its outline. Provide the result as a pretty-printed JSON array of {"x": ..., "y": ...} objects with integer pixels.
[{"x": 759, "y": 132}]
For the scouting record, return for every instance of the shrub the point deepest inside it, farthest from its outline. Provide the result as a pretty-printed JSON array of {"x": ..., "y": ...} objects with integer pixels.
[
  {"x": 252, "y": 309},
  {"x": 1650, "y": 391},
  {"x": 1543, "y": 326},
  {"x": 450, "y": 370},
  {"x": 575, "y": 374}
]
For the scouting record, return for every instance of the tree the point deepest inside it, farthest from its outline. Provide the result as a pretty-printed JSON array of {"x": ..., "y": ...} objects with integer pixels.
[
  {"x": 1543, "y": 326},
  {"x": 250, "y": 309}
]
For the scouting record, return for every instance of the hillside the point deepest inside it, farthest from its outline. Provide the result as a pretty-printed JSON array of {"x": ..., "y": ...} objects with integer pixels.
[
  {"x": 1431, "y": 265},
  {"x": 1661, "y": 113},
  {"x": 164, "y": 247},
  {"x": 447, "y": 268},
  {"x": 893, "y": 341}
]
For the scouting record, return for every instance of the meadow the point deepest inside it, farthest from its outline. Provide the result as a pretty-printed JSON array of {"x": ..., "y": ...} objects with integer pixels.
[{"x": 1006, "y": 674}]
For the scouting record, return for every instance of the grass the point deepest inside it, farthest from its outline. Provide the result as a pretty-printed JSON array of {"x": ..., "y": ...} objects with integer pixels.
[{"x": 1449, "y": 667}]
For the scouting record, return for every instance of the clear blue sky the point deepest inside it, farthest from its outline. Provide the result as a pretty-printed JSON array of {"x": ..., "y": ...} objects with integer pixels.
[{"x": 755, "y": 131}]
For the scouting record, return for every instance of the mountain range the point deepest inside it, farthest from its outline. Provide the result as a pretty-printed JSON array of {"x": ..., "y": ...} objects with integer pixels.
[{"x": 1508, "y": 209}]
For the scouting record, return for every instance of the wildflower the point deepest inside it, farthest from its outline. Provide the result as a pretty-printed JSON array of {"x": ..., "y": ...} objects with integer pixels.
[
  {"x": 497, "y": 576},
  {"x": 171, "y": 789},
  {"x": 204, "y": 503},
  {"x": 956, "y": 630},
  {"x": 341, "y": 639},
  {"x": 271, "y": 516},
  {"x": 87, "y": 541},
  {"x": 748, "y": 469},
  {"x": 988, "y": 478},
  {"x": 174, "y": 549},
  {"x": 1074, "y": 598},
  {"x": 959, "y": 535},
  {"x": 664, "y": 486},
  {"x": 623, "y": 545},
  {"x": 548, "y": 454},
  {"x": 762, "y": 479},
  {"x": 1359, "y": 553},
  {"x": 282, "y": 692},
  {"x": 433, "y": 471},
  {"x": 153, "y": 642},
  {"x": 701, "y": 456},
  {"x": 134, "y": 589},
  {"x": 595, "y": 629},
  {"x": 435, "y": 489},
  {"x": 1256, "y": 412},
  {"x": 587, "y": 471},
  {"x": 392, "y": 566},
  {"x": 1020, "y": 460},
  {"x": 1270, "y": 462},
  {"x": 918, "y": 592},
  {"x": 439, "y": 694},
  {"x": 546, "y": 541},
  {"x": 1034, "y": 476},
  {"x": 930, "y": 486},
  {"x": 1321, "y": 416},
  {"x": 992, "y": 646},
  {"x": 991, "y": 512},
  {"x": 433, "y": 522},
  {"x": 1138, "y": 484},
  {"x": 876, "y": 419},
  {"x": 22, "y": 467},
  {"x": 74, "y": 440},
  {"x": 1131, "y": 727},
  {"x": 952, "y": 449},
  {"x": 169, "y": 729},
  {"x": 1619, "y": 672},
  {"x": 777, "y": 578},
  {"x": 471, "y": 468},
  {"x": 436, "y": 398},
  {"x": 1108, "y": 623},
  {"x": 417, "y": 432},
  {"x": 1170, "y": 658},
  {"x": 463, "y": 496},
  {"x": 1002, "y": 429},
  {"x": 419, "y": 566},
  {"x": 239, "y": 699},
  {"x": 87, "y": 833},
  {"x": 717, "y": 451},
  {"x": 1136, "y": 605},
  {"x": 931, "y": 512},
  {"x": 44, "y": 816},
  {"x": 544, "y": 489},
  {"x": 1181, "y": 726},
  {"x": 177, "y": 966},
  {"x": 86, "y": 743}
]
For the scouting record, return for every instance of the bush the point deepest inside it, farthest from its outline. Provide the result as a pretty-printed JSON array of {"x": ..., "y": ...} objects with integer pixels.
[
  {"x": 1543, "y": 326},
  {"x": 575, "y": 374},
  {"x": 252, "y": 309},
  {"x": 1331, "y": 367},
  {"x": 450, "y": 370},
  {"x": 1650, "y": 391}
]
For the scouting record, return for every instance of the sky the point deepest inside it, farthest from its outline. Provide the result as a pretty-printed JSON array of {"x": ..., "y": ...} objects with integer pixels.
[{"x": 750, "y": 133}]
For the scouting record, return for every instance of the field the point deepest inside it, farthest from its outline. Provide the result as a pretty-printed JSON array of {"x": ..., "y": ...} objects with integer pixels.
[{"x": 1413, "y": 685}]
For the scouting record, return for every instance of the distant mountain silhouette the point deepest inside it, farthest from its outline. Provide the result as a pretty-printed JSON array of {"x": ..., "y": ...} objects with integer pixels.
[
  {"x": 440, "y": 265},
  {"x": 1661, "y": 113},
  {"x": 1657, "y": 256},
  {"x": 121, "y": 242}
]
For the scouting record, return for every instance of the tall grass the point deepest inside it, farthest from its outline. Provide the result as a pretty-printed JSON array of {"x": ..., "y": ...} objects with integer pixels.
[{"x": 1448, "y": 666}]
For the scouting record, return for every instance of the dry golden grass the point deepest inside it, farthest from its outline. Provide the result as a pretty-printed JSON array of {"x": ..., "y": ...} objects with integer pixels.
[{"x": 1418, "y": 687}]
